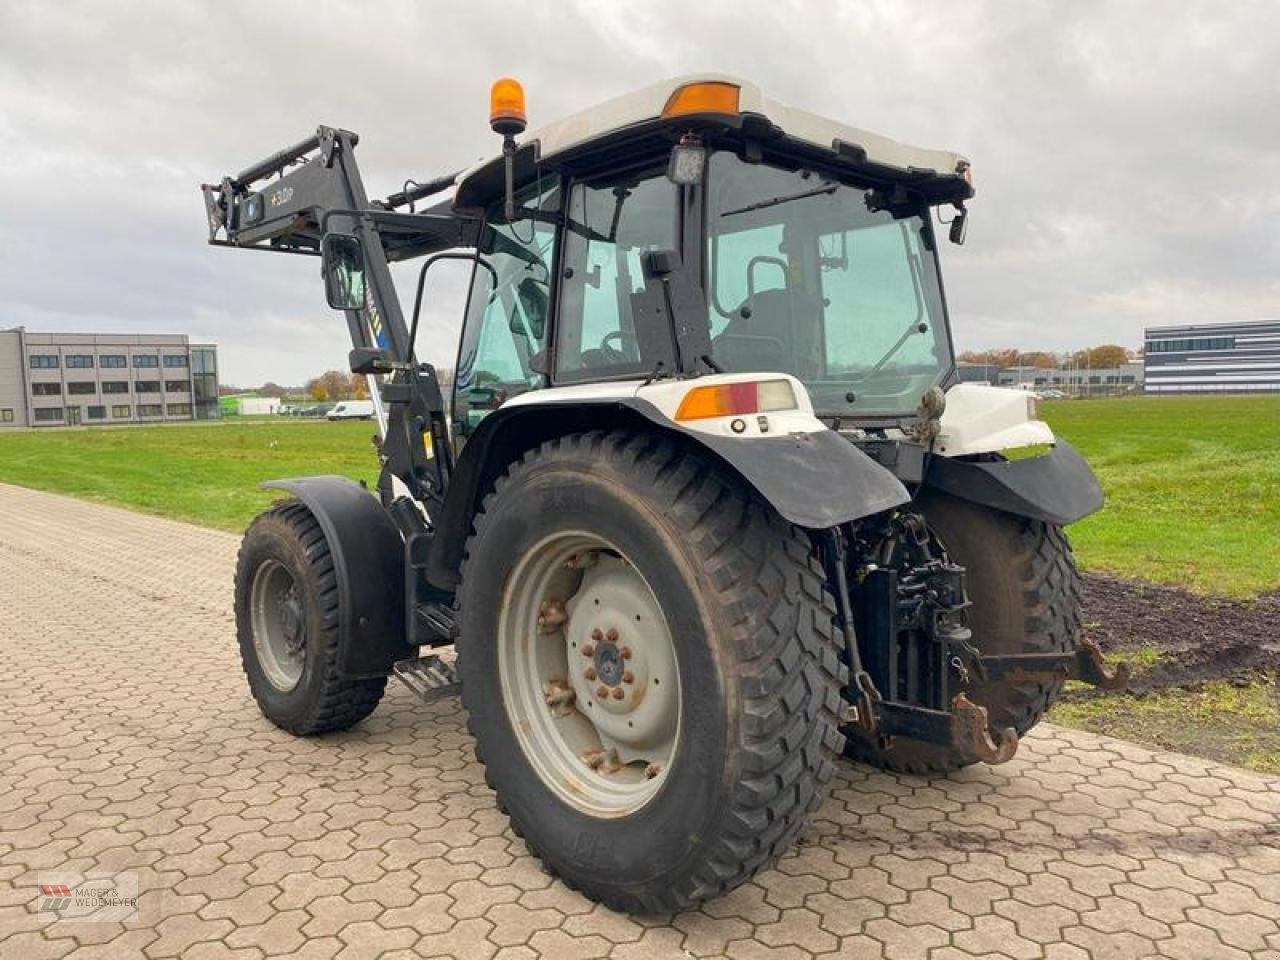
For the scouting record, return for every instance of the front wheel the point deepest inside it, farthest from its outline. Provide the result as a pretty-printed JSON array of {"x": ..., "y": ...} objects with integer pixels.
[
  {"x": 649, "y": 666},
  {"x": 287, "y": 623}
]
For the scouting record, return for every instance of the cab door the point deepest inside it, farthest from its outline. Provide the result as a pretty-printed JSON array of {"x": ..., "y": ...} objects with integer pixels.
[{"x": 503, "y": 349}]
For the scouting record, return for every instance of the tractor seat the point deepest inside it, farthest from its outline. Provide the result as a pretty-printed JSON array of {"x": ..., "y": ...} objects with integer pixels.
[{"x": 759, "y": 337}]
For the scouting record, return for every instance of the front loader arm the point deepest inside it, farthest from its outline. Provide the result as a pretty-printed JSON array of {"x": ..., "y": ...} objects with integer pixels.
[{"x": 287, "y": 203}]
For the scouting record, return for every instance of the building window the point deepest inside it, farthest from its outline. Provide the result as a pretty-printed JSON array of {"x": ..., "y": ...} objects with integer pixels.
[
  {"x": 47, "y": 390},
  {"x": 79, "y": 361},
  {"x": 48, "y": 414},
  {"x": 147, "y": 386},
  {"x": 97, "y": 413},
  {"x": 150, "y": 410},
  {"x": 115, "y": 386},
  {"x": 179, "y": 409},
  {"x": 146, "y": 360},
  {"x": 43, "y": 361},
  {"x": 120, "y": 411},
  {"x": 1187, "y": 344},
  {"x": 177, "y": 386},
  {"x": 115, "y": 360},
  {"x": 204, "y": 383},
  {"x": 6, "y": 415},
  {"x": 1126, "y": 378},
  {"x": 82, "y": 386},
  {"x": 175, "y": 361}
]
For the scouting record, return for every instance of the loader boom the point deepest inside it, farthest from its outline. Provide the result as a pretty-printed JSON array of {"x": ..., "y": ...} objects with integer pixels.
[{"x": 287, "y": 203}]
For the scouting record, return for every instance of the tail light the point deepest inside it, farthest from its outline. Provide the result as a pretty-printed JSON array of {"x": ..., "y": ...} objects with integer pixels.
[{"x": 736, "y": 399}]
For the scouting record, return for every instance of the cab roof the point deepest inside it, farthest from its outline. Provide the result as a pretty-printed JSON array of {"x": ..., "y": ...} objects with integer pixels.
[{"x": 940, "y": 174}]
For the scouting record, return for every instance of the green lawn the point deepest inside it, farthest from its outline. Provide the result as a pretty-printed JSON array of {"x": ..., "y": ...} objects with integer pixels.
[
  {"x": 206, "y": 473},
  {"x": 1192, "y": 485}
]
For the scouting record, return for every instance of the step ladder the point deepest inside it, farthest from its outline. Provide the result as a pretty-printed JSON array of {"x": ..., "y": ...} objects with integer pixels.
[{"x": 431, "y": 677}]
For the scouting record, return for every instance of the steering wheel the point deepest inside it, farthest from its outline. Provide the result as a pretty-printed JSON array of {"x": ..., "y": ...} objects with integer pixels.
[{"x": 625, "y": 340}]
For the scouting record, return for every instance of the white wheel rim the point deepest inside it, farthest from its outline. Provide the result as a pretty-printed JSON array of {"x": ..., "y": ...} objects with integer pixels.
[
  {"x": 279, "y": 625},
  {"x": 589, "y": 675}
]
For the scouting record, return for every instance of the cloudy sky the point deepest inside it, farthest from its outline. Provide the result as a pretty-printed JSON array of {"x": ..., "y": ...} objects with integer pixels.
[{"x": 1127, "y": 155}]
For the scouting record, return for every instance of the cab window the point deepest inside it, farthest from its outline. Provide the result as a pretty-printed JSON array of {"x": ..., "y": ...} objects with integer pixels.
[
  {"x": 610, "y": 224},
  {"x": 503, "y": 348}
]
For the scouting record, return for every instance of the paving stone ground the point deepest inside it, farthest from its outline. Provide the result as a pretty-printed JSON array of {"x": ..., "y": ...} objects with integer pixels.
[{"x": 129, "y": 744}]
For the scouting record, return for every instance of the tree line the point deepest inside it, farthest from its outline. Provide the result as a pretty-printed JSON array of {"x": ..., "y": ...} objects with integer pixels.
[
  {"x": 330, "y": 386},
  {"x": 1102, "y": 357}
]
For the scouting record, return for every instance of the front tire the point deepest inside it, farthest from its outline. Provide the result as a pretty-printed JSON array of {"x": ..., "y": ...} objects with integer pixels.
[
  {"x": 1024, "y": 588},
  {"x": 287, "y": 624},
  {"x": 613, "y": 540}
]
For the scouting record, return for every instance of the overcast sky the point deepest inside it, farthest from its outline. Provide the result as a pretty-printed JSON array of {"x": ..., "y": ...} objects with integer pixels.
[{"x": 1126, "y": 155}]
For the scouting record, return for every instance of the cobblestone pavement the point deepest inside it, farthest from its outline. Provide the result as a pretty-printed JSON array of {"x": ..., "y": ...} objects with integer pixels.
[{"x": 129, "y": 744}]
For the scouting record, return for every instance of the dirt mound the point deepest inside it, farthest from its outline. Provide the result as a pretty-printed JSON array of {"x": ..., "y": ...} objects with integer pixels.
[{"x": 1192, "y": 638}]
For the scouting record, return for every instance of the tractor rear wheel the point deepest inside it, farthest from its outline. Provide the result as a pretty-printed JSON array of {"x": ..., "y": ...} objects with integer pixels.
[
  {"x": 287, "y": 616},
  {"x": 649, "y": 666},
  {"x": 1024, "y": 589}
]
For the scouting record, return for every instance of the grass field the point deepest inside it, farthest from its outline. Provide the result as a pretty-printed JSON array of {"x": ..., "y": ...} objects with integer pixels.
[
  {"x": 205, "y": 473},
  {"x": 1192, "y": 485}
]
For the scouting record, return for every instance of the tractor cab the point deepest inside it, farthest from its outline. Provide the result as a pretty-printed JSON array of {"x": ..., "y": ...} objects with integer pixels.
[{"x": 794, "y": 244}]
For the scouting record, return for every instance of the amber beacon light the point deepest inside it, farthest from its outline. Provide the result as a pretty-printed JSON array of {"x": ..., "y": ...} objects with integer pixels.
[
  {"x": 709, "y": 97},
  {"x": 506, "y": 107}
]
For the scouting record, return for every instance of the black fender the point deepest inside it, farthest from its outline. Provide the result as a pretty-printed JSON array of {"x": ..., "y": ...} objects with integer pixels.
[
  {"x": 368, "y": 560},
  {"x": 815, "y": 480},
  {"x": 1058, "y": 487}
]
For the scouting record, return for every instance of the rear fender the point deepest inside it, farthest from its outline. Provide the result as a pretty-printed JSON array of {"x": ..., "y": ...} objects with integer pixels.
[
  {"x": 814, "y": 479},
  {"x": 368, "y": 561}
]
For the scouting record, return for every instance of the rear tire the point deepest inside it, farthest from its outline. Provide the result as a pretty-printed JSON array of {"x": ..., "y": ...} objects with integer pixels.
[
  {"x": 287, "y": 617},
  {"x": 1024, "y": 588},
  {"x": 758, "y": 667}
]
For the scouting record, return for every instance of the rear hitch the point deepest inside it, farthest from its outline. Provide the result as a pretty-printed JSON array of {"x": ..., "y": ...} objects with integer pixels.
[
  {"x": 1084, "y": 663},
  {"x": 971, "y": 733}
]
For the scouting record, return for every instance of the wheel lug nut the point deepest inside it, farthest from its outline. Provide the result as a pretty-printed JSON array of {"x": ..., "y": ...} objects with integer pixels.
[
  {"x": 589, "y": 673},
  {"x": 626, "y": 653},
  {"x": 587, "y": 650},
  {"x": 612, "y": 635},
  {"x": 617, "y": 693},
  {"x": 628, "y": 677},
  {"x": 602, "y": 692},
  {"x": 596, "y": 635}
]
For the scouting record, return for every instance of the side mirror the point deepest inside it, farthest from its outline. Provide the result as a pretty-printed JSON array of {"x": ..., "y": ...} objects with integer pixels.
[
  {"x": 959, "y": 227},
  {"x": 342, "y": 256},
  {"x": 533, "y": 300}
]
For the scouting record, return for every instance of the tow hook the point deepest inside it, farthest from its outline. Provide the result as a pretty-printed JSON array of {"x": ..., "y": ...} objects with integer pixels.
[
  {"x": 971, "y": 733},
  {"x": 1093, "y": 669}
]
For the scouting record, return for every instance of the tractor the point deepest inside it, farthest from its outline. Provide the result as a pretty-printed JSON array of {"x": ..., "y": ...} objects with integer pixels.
[{"x": 706, "y": 507}]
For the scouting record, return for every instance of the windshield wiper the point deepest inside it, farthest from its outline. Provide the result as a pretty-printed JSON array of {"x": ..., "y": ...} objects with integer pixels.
[{"x": 775, "y": 201}]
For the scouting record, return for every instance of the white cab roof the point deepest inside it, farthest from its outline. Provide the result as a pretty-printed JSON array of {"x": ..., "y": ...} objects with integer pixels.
[{"x": 646, "y": 105}]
